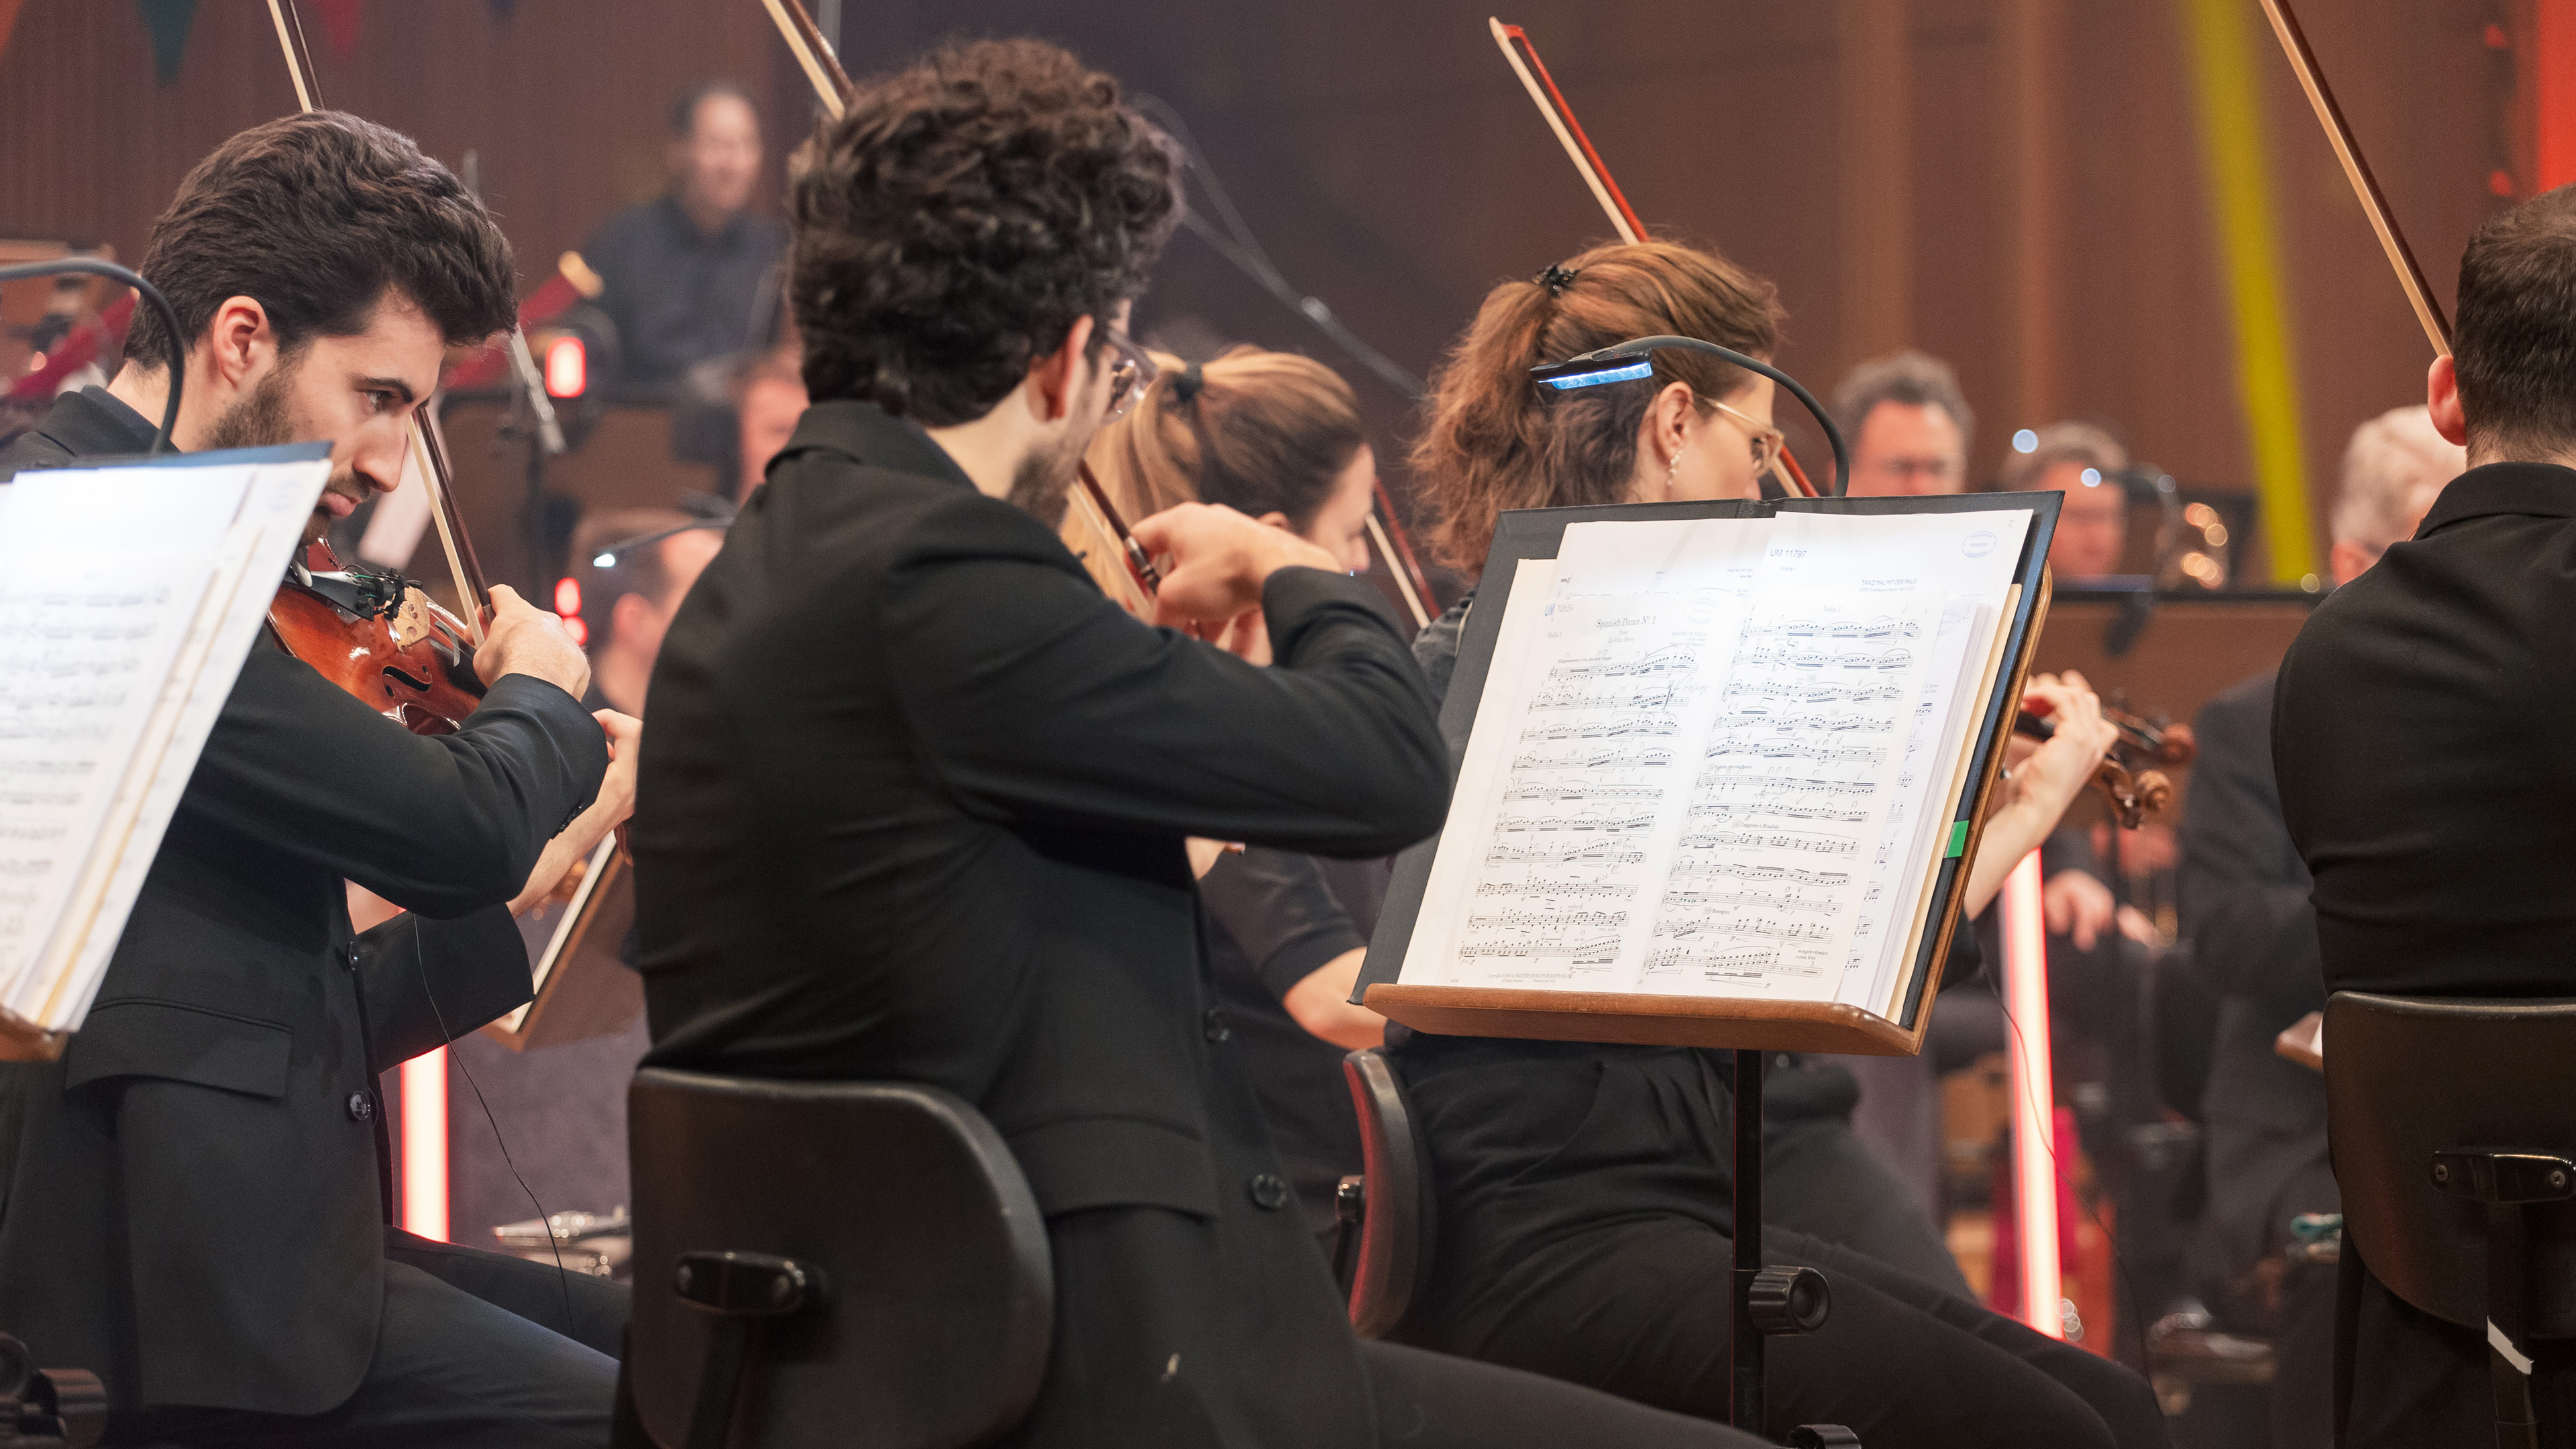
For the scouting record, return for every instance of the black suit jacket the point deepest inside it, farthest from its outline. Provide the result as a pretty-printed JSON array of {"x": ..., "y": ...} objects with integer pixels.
[
  {"x": 913, "y": 809},
  {"x": 191, "y": 1200},
  {"x": 2245, "y": 892},
  {"x": 2422, "y": 739}
]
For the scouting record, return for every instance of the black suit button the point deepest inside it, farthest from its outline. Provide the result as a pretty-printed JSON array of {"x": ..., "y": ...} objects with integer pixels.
[
  {"x": 349, "y": 955},
  {"x": 1269, "y": 1192},
  {"x": 362, "y": 1107},
  {"x": 1217, "y": 1029}
]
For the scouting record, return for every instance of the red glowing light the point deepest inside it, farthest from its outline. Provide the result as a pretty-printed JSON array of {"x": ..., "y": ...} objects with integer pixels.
[{"x": 567, "y": 367}]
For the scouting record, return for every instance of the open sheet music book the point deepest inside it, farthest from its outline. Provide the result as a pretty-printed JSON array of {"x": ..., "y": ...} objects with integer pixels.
[
  {"x": 129, "y": 597},
  {"x": 1723, "y": 758}
]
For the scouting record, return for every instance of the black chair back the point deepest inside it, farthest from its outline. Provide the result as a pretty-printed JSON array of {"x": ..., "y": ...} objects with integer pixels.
[
  {"x": 1393, "y": 1263},
  {"x": 847, "y": 1263},
  {"x": 2409, "y": 1078}
]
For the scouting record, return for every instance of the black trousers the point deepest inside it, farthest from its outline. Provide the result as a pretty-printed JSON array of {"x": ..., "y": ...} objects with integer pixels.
[
  {"x": 1821, "y": 1181},
  {"x": 1640, "y": 1310},
  {"x": 1433, "y": 1401},
  {"x": 471, "y": 1351}
]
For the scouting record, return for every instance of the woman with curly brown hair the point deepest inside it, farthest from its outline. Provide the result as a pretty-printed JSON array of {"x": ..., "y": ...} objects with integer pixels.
[{"x": 1584, "y": 1190}]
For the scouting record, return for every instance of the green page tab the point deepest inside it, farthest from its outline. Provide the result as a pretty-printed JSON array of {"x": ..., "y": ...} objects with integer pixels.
[{"x": 1958, "y": 840}]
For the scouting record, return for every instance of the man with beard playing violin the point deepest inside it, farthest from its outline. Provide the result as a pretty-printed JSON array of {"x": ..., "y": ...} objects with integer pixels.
[{"x": 193, "y": 1200}]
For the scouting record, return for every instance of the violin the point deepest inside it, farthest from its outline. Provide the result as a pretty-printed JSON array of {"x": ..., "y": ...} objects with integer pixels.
[
  {"x": 381, "y": 638},
  {"x": 375, "y": 633},
  {"x": 2135, "y": 792}
]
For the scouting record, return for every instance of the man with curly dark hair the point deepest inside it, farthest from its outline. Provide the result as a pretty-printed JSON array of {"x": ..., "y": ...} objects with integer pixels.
[{"x": 918, "y": 793}]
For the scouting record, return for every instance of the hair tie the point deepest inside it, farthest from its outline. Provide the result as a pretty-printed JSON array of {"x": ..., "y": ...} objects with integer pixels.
[
  {"x": 1186, "y": 385},
  {"x": 1557, "y": 278}
]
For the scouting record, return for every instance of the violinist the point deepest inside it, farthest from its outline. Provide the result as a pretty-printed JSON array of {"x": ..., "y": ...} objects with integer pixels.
[
  {"x": 1278, "y": 438},
  {"x": 2420, "y": 737},
  {"x": 919, "y": 790},
  {"x": 196, "y": 1194},
  {"x": 1585, "y": 1190},
  {"x": 2245, "y": 892}
]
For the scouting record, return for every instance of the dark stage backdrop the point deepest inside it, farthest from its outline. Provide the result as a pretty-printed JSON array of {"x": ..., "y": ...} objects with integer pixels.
[{"x": 2012, "y": 184}]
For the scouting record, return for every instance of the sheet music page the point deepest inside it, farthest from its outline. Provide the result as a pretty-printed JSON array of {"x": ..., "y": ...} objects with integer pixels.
[
  {"x": 102, "y": 653},
  {"x": 1567, "y": 811},
  {"x": 1963, "y": 564},
  {"x": 254, "y": 554},
  {"x": 1794, "y": 784},
  {"x": 1706, "y": 767}
]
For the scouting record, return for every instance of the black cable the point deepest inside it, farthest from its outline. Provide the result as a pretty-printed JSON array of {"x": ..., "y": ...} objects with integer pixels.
[
  {"x": 1239, "y": 246},
  {"x": 563, "y": 1277},
  {"x": 92, "y": 266}
]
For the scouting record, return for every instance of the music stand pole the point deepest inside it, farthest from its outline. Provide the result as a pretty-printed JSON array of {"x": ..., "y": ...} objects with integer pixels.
[{"x": 1744, "y": 1404}]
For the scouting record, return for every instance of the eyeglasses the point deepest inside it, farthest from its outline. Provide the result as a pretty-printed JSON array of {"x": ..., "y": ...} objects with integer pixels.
[
  {"x": 1768, "y": 442},
  {"x": 1131, "y": 371}
]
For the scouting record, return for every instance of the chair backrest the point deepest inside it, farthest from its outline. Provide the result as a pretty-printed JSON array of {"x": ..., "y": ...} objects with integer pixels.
[
  {"x": 2408, "y": 1077},
  {"x": 1396, "y": 1233},
  {"x": 938, "y": 1297}
]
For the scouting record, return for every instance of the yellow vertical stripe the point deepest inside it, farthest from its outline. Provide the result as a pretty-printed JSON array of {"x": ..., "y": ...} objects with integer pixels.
[{"x": 2236, "y": 171}]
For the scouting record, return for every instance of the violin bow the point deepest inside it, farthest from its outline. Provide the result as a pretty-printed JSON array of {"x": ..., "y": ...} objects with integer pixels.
[
  {"x": 1515, "y": 44},
  {"x": 428, "y": 450},
  {"x": 2365, "y": 185}
]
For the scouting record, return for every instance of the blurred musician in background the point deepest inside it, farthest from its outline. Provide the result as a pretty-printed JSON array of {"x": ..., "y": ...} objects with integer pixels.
[
  {"x": 1907, "y": 425},
  {"x": 634, "y": 566},
  {"x": 196, "y": 1194},
  {"x": 768, "y": 398},
  {"x": 690, "y": 276},
  {"x": 919, "y": 791},
  {"x": 1278, "y": 438},
  {"x": 2080, "y": 461},
  {"x": 2253, "y": 932},
  {"x": 1585, "y": 1191},
  {"x": 2420, "y": 738}
]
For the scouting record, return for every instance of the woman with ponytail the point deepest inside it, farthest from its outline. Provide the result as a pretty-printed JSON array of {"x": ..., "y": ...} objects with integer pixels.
[
  {"x": 1584, "y": 1191},
  {"x": 1277, "y": 437}
]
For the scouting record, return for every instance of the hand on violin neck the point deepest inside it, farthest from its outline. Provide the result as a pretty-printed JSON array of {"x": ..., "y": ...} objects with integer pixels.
[
  {"x": 1219, "y": 562},
  {"x": 2044, "y": 780},
  {"x": 524, "y": 639},
  {"x": 2057, "y": 771}
]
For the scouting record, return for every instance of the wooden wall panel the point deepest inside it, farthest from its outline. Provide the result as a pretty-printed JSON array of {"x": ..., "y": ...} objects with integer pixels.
[{"x": 1394, "y": 169}]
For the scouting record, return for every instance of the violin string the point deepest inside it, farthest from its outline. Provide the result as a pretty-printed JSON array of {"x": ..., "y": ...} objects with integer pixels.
[{"x": 563, "y": 1276}]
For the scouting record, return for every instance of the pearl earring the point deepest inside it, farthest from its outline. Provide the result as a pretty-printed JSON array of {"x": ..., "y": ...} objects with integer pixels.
[{"x": 1671, "y": 472}]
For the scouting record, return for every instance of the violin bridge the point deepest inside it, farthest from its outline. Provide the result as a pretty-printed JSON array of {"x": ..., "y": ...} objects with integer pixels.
[{"x": 410, "y": 619}]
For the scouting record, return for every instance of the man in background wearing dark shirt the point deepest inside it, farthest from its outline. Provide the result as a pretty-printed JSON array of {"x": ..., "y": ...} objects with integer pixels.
[
  {"x": 691, "y": 276},
  {"x": 2245, "y": 892},
  {"x": 2421, "y": 740}
]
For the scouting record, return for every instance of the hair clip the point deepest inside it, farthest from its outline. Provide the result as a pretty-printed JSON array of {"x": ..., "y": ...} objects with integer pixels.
[
  {"x": 1556, "y": 278},
  {"x": 1187, "y": 382}
]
